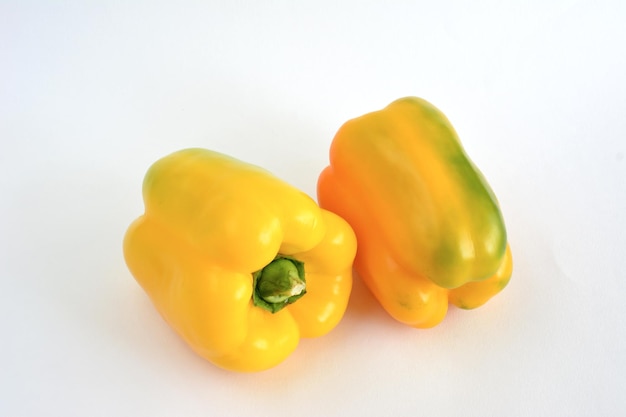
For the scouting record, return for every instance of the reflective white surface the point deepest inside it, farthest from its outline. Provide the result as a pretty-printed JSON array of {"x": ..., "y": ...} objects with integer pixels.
[{"x": 92, "y": 94}]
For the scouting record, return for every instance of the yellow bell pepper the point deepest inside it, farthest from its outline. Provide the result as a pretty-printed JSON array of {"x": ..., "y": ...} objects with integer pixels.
[
  {"x": 429, "y": 228},
  {"x": 239, "y": 263}
]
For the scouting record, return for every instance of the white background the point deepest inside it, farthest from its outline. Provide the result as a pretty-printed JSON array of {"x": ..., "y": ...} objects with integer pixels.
[{"x": 91, "y": 93}]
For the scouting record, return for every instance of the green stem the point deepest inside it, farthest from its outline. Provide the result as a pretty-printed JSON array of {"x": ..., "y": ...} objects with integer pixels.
[{"x": 279, "y": 284}]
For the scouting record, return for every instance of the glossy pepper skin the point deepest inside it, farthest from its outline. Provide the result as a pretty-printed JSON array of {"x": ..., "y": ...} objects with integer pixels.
[
  {"x": 212, "y": 226},
  {"x": 429, "y": 228}
]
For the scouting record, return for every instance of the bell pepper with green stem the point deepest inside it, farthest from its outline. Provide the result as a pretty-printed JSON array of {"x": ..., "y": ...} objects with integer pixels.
[
  {"x": 429, "y": 228},
  {"x": 239, "y": 263}
]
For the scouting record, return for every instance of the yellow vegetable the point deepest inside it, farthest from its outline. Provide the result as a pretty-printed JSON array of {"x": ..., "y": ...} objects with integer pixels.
[{"x": 239, "y": 263}]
